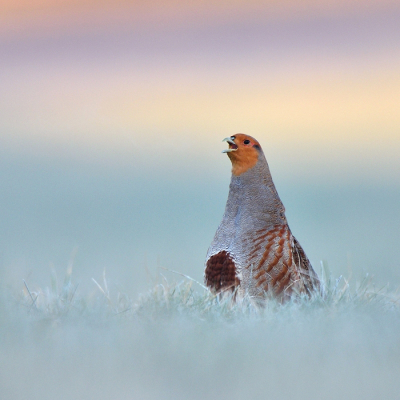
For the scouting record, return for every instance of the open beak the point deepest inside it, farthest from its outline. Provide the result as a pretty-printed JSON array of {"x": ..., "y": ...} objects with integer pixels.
[{"x": 232, "y": 145}]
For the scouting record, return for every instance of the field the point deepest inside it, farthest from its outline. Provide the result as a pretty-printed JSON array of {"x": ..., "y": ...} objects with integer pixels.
[
  {"x": 112, "y": 115},
  {"x": 179, "y": 341}
]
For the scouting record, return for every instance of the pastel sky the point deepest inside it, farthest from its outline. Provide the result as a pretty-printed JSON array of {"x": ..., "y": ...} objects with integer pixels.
[{"x": 144, "y": 91}]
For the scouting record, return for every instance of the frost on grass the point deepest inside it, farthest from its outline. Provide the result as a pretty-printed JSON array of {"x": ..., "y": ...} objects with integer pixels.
[
  {"x": 178, "y": 340},
  {"x": 191, "y": 299}
]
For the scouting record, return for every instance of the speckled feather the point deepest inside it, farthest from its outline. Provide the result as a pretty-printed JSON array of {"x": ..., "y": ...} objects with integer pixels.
[{"x": 253, "y": 250}]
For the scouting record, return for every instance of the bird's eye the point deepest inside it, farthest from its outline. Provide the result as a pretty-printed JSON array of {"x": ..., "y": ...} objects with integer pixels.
[{"x": 246, "y": 141}]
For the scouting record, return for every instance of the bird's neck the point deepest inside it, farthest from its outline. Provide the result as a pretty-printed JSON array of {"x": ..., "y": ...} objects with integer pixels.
[
  {"x": 254, "y": 191},
  {"x": 257, "y": 177}
]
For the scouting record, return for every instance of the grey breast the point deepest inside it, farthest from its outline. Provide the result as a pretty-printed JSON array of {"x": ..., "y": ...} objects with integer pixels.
[{"x": 253, "y": 204}]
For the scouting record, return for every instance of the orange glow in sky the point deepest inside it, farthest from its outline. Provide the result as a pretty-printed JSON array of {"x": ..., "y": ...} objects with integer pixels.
[
  {"x": 299, "y": 75},
  {"x": 24, "y": 17}
]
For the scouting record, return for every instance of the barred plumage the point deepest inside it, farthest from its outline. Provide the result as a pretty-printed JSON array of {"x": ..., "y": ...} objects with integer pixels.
[{"x": 254, "y": 251}]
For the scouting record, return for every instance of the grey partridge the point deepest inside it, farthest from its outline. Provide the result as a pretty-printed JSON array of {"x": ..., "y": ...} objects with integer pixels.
[{"x": 254, "y": 251}]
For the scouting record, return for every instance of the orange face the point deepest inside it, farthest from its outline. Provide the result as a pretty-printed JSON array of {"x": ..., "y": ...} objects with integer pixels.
[{"x": 243, "y": 152}]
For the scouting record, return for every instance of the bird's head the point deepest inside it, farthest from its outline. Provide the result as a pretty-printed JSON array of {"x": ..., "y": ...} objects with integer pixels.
[{"x": 243, "y": 152}]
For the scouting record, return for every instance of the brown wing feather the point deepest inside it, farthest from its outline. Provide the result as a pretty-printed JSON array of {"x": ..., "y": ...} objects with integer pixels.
[
  {"x": 282, "y": 267},
  {"x": 277, "y": 264},
  {"x": 305, "y": 270},
  {"x": 274, "y": 271}
]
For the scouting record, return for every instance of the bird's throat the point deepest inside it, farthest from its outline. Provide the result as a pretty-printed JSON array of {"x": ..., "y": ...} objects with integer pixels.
[{"x": 242, "y": 162}]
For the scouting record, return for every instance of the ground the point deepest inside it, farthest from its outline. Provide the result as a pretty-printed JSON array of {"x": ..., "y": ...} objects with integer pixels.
[{"x": 179, "y": 341}]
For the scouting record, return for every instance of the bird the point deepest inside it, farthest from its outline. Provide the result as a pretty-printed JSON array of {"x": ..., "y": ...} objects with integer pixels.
[{"x": 254, "y": 252}]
